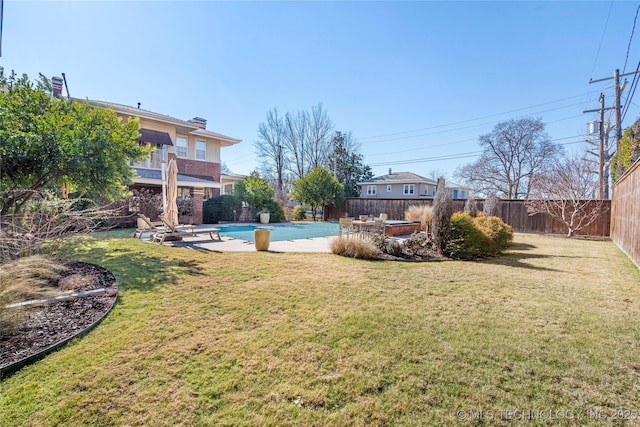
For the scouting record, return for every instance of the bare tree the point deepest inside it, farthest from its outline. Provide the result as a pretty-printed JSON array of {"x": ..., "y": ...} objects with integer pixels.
[
  {"x": 272, "y": 150},
  {"x": 513, "y": 152},
  {"x": 319, "y": 132},
  {"x": 295, "y": 136},
  {"x": 567, "y": 191}
]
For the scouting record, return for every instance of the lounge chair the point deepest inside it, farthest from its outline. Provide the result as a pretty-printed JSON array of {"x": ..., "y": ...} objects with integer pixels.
[
  {"x": 145, "y": 225},
  {"x": 169, "y": 228}
]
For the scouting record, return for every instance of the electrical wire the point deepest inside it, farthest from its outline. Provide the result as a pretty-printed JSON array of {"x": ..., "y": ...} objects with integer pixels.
[
  {"x": 457, "y": 156},
  {"x": 632, "y": 91},
  {"x": 633, "y": 29},
  {"x": 480, "y": 118},
  {"x": 465, "y": 127},
  {"x": 604, "y": 31}
]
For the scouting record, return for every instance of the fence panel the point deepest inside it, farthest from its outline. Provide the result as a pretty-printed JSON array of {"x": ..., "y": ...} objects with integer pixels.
[
  {"x": 625, "y": 213},
  {"x": 513, "y": 212}
]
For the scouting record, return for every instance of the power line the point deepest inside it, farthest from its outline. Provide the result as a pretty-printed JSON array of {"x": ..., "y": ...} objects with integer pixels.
[
  {"x": 604, "y": 31},
  {"x": 480, "y": 118},
  {"x": 465, "y": 127},
  {"x": 463, "y": 155},
  {"x": 632, "y": 91},
  {"x": 633, "y": 29}
]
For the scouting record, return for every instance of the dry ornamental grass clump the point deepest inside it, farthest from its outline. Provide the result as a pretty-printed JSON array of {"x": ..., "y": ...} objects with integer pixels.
[
  {"x": 420, "y": 213},
  {"x": 27, "y": 278},
  {"x": 354, "y": 248}
]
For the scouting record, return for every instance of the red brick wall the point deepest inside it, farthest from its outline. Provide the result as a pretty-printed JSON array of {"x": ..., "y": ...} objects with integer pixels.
[{"x": 197, "y": 167}]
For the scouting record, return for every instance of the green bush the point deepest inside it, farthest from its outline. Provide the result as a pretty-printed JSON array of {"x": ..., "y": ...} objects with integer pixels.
[
  {"x": 222, "y": 208},
  {"x": 479, "y": 237},
  {"x": 274, "y": 208},
  {"x": 464, "y": 239},
  {"x": 500, "y": 234},
  {"x": 299, "y": 213},
  {"x": 354, "y": 248}
]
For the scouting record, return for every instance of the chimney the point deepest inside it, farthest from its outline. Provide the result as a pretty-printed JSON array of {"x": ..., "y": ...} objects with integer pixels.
[
  {"x": 57, "y": 86},
  {"x": 200, "y": 122},
  {"x": 389, "y": 171}
]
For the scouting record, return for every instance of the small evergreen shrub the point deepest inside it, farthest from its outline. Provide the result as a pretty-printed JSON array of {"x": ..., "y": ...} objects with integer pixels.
[
  {"x": 500, "y": 234},
  {"x": 354, "y": 248},
  {"x": 299, "y": 213},
  {"x": 479, "y": 237},
  {"x": 465, "y": 240}
]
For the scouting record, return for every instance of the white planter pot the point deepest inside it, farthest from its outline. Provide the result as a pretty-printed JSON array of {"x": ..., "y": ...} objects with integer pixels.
[{"x": 264, "y": 217}]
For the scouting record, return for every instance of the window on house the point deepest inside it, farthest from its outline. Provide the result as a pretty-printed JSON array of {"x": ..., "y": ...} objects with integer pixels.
[
  {"x": 181, "y": 146},
  {"x": 388, "y": 189},
  {"x": 208, "y": 193},
  {"x": 371, "y": 190},
  {"x": 409, "y": 189},
  {"x": 158, "y": 157},
  {"x": 201, "y": 150}
]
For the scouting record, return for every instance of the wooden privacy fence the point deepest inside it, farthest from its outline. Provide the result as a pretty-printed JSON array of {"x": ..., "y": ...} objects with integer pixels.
[
  {"x": 513, "y": 212},
  {"x": 625, "y": 213}
]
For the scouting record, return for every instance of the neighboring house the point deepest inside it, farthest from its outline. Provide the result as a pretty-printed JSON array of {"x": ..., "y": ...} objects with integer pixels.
[
  {"x": 195, "y": 149},
  {"x": 406, "y": 185},
  {"x": 229, "y": 181}
]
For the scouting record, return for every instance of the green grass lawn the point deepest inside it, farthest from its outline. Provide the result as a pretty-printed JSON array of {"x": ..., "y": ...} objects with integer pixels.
[{"x": 550, "y": 331}]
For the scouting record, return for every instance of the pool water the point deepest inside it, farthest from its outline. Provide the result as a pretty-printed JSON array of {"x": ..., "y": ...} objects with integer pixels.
[{"x": 287, "y": 231}]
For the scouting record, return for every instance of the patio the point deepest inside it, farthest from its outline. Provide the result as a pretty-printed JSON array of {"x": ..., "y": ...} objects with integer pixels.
[{"x": 227, "y": 244}]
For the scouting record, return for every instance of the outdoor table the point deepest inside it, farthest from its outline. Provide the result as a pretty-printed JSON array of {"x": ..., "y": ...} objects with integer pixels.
[{"x": 363, "y": 225}]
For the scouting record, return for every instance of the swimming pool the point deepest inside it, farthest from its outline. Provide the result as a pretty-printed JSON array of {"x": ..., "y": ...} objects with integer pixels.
[{"x": 286, "y": 231}]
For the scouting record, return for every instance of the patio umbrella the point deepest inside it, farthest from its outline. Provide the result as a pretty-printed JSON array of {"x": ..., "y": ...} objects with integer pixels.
[{"x": 171, "y": 210}]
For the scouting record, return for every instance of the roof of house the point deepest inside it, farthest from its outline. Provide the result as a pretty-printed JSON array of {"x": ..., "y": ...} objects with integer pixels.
[
  {"x": 191, "y": 127},
  {"x": 157, "y": 174},
  {"x": 234, "y": 176},
  {"x": 399, "y": 178}
]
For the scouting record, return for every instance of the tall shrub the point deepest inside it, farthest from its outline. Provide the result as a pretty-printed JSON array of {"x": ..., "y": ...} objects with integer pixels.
[
  {"x": 221, "y": 208},
  {"x": 442, "y": 211}
]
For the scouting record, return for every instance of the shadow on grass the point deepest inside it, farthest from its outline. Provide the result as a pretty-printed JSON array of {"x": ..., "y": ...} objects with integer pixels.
[
  {"x": 518, "y": 260},
  {"x": 134, "y": 268}
]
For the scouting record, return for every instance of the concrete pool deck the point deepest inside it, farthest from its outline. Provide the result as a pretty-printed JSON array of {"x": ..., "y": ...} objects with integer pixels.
[{"x": 228, "y": 244}]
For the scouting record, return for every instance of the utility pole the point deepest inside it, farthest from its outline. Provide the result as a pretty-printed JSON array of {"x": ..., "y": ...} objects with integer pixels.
[
  {"x": 603, "y": 154},
  {"x": 616, "y": 107}
]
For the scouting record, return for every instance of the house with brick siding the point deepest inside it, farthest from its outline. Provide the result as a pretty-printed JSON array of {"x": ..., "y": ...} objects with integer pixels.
[{"x": 195, "y": 149}]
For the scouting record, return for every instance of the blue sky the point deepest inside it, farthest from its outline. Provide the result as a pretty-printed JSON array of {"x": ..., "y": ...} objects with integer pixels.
[{"x": 415, "y": 82}]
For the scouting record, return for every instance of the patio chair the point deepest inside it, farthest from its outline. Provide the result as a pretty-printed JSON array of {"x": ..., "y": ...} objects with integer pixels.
[
  {"x": 378, "y": 226},
  {"x": 383, "y": 216},
  {"x": 345, "y": 224},
  {"x": 145, "y": 225}
]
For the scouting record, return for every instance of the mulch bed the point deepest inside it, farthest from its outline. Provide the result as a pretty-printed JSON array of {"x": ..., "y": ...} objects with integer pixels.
[{"x": 39, "y": 327}]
